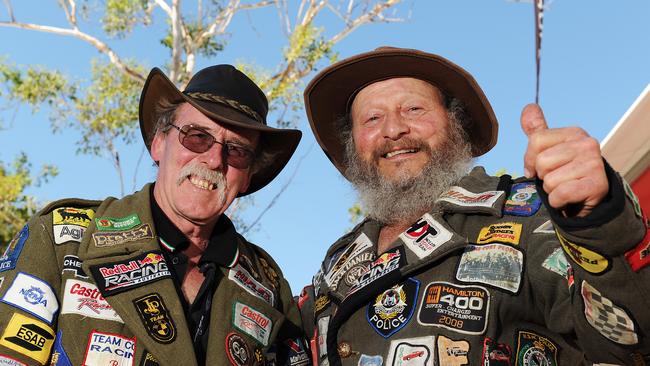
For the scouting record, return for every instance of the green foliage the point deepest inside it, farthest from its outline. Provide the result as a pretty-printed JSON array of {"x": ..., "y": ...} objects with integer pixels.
[
  {"x": 209, "y": 47},
  {"x": 356, "y": 214},
  {"x": 121, "y": 16}
]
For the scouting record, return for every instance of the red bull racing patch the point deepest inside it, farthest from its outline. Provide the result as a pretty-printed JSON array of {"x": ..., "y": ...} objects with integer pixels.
[
  {"x": 533, "y": 349},
  {"x": 109, "y": 349},
  {"x": 463, "y": 309},
  {"x": 156, "y": 318},
  {"x": 425, "y": 236},
  {"x": 252, "y": 322},
  {"x": 10, "y": 256},
  {"x": 115, "y": 277},
  {"x": 452, "y": 352},
  {"x": 412, "y": 351},
  {"x": 496, "y": 265},
  {"x": 111, "y": 238},
  {"x": 393, "y": 308},
  {"x": 523, "y": 200},
  {"x": 380, "y": 267}
]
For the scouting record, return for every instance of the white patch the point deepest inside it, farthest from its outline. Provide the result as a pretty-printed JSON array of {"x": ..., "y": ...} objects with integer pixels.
[
  {"x": 66, "y": 233},
  {"x": 425, "y": 236},
  {"x": 412, "y": 351},
  {"x": 608, "y": 319},
  {"x": 545, "y": 228},
  {"x": 84, "y": 298},
  {"x": 109, "y": 350},
  {"x": 348, "y": 258},
  {"x": 323, "y": 324},
  {"x": 252, "y": 322},
  {"x": 240, "y": 276},
  {"x": 33, "y": 295},
  {"x": 8, "y": 361},
  {"x": 462, "y": 197}
]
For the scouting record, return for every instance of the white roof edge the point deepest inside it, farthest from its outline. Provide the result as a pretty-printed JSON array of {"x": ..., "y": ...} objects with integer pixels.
[{"x": 639, "y": 99}]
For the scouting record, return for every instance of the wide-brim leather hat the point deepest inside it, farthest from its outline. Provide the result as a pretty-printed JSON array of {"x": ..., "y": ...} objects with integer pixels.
[
  {"x": 329, "y": 95},
  {"x": 229, "y": 97}
]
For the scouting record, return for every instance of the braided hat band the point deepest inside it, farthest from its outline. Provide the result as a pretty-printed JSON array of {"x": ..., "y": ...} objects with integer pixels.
[{"x": 228, "y": 102}]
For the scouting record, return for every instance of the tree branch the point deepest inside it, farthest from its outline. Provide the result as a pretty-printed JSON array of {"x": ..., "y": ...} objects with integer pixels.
[
  {"x": 10, "y": 10},
  {"x": 258, "y": 5},
  {"x": 368, "y": 17}
]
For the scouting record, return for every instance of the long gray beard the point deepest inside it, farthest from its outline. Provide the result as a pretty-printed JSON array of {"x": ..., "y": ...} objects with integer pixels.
[{"x": 404, "y": 199}]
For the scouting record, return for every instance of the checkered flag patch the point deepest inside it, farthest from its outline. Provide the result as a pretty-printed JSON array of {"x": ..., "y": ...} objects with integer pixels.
[{"x": 608, "y": 319}]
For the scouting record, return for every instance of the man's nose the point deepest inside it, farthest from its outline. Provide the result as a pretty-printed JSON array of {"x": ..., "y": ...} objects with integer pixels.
[
  {"x": 215, "y": 157},
  {"x": 395, "y": 126}
]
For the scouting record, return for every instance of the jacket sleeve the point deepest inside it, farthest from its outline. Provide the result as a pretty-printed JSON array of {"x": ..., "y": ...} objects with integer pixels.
[{"x": 608, "y": 284}]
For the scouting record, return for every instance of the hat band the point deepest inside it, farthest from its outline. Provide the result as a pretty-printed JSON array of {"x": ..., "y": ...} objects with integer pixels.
[{"x": 229, "y": 102}]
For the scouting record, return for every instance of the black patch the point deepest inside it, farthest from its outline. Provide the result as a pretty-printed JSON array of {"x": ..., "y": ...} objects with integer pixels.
[
  {"x": 156, "y": 318},
  {"x": 115, "y": 277},
  {"x": 496, "y": 354},
  {"x": 73, "y": 263},
  {"x": 463, "y": 309},
  {"x": 384, "y": 264},
  {"x": 148, "y": 359},
  {"x": 238, "y": 351},
  {"x": 393, "y": 308}
]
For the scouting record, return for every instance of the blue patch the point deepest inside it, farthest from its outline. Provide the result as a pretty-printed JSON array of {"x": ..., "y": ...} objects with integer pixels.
[
  {"x": 10, "y": 256},
  {"x": 366, "y": 360},
  {"x": 393, "y": 308},
  {"x": 59, "y": 357},
  {"x": 523, "y": 200}
]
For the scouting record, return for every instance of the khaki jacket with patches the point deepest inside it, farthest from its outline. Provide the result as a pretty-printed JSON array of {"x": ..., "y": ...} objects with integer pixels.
[
  {"x": 483, "y": 279},
  {"x": 52, "y": 309}
]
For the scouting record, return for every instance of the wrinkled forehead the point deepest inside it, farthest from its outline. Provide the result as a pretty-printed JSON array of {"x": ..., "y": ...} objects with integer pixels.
[{"x": 395, "y": 84}]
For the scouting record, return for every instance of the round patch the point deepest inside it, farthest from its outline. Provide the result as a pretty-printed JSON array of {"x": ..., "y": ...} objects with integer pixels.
[
  {"x": 353, "y": 273},
  {"x": 344, "y": 349},
  {"x": 238, "y": 352}
]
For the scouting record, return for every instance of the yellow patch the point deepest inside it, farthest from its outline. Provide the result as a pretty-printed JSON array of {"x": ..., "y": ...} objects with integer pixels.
[
  {"x": 72, "y": 216},
  {"x": 28, "y": 336},
  {"x": 321, "y": 302},
  {"x": 503, "y": 232},
  {"x": 589, "y": 260}
]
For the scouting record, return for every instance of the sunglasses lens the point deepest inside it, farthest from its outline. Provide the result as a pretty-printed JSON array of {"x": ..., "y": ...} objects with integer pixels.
[
  {"x": 199, "y": 141},
  {"x": 196, "y": 140}
]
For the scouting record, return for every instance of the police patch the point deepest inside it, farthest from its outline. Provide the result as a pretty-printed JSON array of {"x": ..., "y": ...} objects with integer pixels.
[
  {"x": 252, "y": 322},
  {"x": 425, "y": 236},
  {"x": 523, "y": 200},
  {"x": 59, "y": 356},
  {"x": 459, "y": 308},
  {"x": 533, "y": 349},
  {"x": 504, "y": 232},
  {"x": 117, "y": 223},
  {"x": 29, "y": 337},
  {"x": 451, "y": 352},
  {"x": 116, "y": 277},
  {"x": 9, "y": 258},
  {"x": 33, "y": 295},
  {"x": 608, "y": 319},
  {"x": 83, "y": 298},
  {"x": 496, "y": 265},
  {"x": 496, "y": 354},
  {"x": 411, "y": 352},
  {"x": 239, "y": 354},
  {"x": 590, "y": 261},
  {"x": 385, "y": 264},
  {"x": 111, "y": 238},
  {"x": 461, "y": 197},
  {"x": 393, "y": 308},
  {"x": 156, "y": 318},
  {"x": 109, "y": 349},
  {"x": 241, "y": 277}
]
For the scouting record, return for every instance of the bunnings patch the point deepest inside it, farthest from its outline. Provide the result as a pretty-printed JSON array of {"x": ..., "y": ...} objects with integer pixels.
[
  {"x": 156, "y": 318},
  {"x": 393, "y": 308}
]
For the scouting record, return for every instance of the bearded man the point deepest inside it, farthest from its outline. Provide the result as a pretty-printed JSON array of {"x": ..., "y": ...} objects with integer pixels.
[
  {"x": 451, "y": 268},
  {"x": 161, "y": 277}
]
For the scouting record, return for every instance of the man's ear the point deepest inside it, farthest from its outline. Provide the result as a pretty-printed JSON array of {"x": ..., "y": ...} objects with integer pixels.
[{"x": 158, "y": 146}]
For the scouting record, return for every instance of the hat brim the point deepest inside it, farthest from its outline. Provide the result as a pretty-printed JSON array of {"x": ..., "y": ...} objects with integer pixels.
[
  {"x": 328, "y": 95},
  {"x": 279, "y": 143}
]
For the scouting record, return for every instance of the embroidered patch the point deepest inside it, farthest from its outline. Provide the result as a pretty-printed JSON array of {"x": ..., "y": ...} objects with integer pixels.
[
  {"x": 393, "y": 308},
  {"x": 297, "y": 353},
  {"x": 639, "y": 257},
  {"x": 556, "y": 262},
  {"x": 411, "y": 352},
  {"x": 156, "y": 318},
  {"x": 425, "y": 236},
  {"x": 323, "y": 324},
  {"x": 462, "y": 197},
  {"x": 12, "y": 252},
  {"x": 629, "y": 192},
  {"x": 316, "y": 281},
  {"x": 385, "y": 264},
  {"x": 270, "y": 273},
  {"x": 111, "y": 238},
  {"x": 69, "y": 223},
  {"x": 320, "y": 304},
  {"x": 459, "y": 308},
  {"x": 148, "y": 359},
  {"x": 357, "y": 255},
  {"x": 109, "y": 349},
  {"x": 33, "y": 295},
  {"x": 117, "y": 223},
  {"x": 545, "y": 228},
  {"x": 451, "y": 352},
  {"x": 366, "y": 360},
  {"x": 67, "y": 233},
  {"x": 9, "y": 361},
  {"x": 239, "y": 354},
  {"x": 496, "y": 354},
  {"x": 252, "y": 322},
  {"x": 116, "y": 277},
  {"x": 59, "y": 356},
  {"x": 496, "y": 265},
  {"x": 84, "y": 298},
  {"x": 29, "y": 337},
  {"x": 590, "y": 261},
  {"x": 523, "y": 200},
  {"x": 72, "y": 263},
  {"x": 608, "y": 319},
  {"x": 504, "y": 232},
  {"x": 533, "y": 349},
  {"x": 241, "y": 277}
]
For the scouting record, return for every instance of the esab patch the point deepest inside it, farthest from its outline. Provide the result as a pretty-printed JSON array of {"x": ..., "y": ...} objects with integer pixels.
[
  {"x": 451, "y": 352},
  {"x": 459, "y": 308},
  {"x": 412, "y": 352},
  {"x": 497, "y": 265},
  {"x": 239, "y": 353},
  {"x": 69, "y": 223},
  {"x": 496, "y": 354},
  {"x": 523, "y": 200},
  {"x": 252, "y": 322},
  {"x": 393, "y": 308},
  {"x": 156, "y": 318},
  {"x": 533, "y": 349},
  {"x": 59, "y": 355},
  {"x": 111, "y": 238},
  {"x": 385, "y": 264},
  {"x": 9, "y": 258},
  {"x": 425, "y": 236},
  {"x": 109, "y": 349},
  {"x": 29, "y": 337},
  {"x": 590, "y": 261},
  {"x": 504, "y": 232},
  {"x": 116, "y": 277},
  {"x": 117, "y": 223}
]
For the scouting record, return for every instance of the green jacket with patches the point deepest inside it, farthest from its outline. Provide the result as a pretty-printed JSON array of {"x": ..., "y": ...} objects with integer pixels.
[
  {"x": 85, "y": 283},
  {"x": 488, "y": 277}
]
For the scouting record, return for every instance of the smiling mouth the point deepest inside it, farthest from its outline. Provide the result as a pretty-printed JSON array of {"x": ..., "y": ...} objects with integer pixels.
[
  {"x": 202, "y": 183},
  {"x": 391, "y": 154}
]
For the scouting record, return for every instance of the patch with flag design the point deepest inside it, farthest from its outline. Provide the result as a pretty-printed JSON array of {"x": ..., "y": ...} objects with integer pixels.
[{"x": 608, "y": 319}]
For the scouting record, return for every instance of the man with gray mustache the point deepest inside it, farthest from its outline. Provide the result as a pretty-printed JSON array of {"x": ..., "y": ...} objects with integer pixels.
[{"x": 161, "y": 277}]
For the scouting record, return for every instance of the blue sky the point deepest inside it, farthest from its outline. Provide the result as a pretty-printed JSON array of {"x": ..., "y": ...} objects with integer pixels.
[{"x": 595, "y": 62}]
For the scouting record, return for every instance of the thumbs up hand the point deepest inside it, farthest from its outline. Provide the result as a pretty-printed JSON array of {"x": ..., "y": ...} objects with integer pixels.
[{"x": 569, "y": 162}]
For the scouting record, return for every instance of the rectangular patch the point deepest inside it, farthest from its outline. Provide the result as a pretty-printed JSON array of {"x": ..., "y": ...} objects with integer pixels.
[
  {"x": 498, "y": 265},
  {"x": 33, "y": 295},
  {"x": 461, "y": 197},
  {"x": 109, "y": 349},
  {"x": 72, "y": 263},
  {"x": 72, "y": 216},
  {"x": 459, "y": 308},
  {"x": 9, "y": 361},
  {"x": 412, "y": 351},
  {"x": 116, "y": 277},
  {"x": 252, "y": 322},
  {"x": 241, "y": 277},
  {"x": 110, "y": 238},
  {"x": 503, "y": 232},
  {"x": 425, "y": 236},
  {"x": 117, "y": 223},
  {"x": 12, "y": 252},
  {"x": 383, "y": 265},
  {"x": 639, "y": 257},
  {"x": 452, "y": 352},
  {"x": 83, "y": 298},
  {"x": 29, "y": 337},
  {"x": 323, "y": 325},
  {"x": 67, "y": 233},
  {"x": 533, "y": 348}
]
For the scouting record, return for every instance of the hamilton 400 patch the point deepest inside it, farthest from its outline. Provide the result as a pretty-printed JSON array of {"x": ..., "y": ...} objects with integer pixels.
[
  {"x": 393, "y": 308},
  {"x": 156, "y": 318},
  {"x": 459, "y": 308}
]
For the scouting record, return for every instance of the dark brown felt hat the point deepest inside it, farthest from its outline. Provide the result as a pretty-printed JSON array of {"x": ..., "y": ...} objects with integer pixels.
[
  {"x": 226, "y": 95},
  {"x": 330, "y": 94}
]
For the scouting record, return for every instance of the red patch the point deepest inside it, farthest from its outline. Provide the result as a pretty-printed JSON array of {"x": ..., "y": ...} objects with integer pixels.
[
  {"x": 304, "y": 296},
  {"x": 639, "y": 257}
]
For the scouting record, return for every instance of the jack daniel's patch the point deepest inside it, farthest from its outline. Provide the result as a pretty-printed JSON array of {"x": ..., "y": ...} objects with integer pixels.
[
  {"x": 393, "y": 308},
  {"x": 116, "y": 277}
]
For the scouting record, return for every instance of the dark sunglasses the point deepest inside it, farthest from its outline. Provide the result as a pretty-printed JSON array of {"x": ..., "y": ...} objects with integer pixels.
[{"x": 198, "y": 140}]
